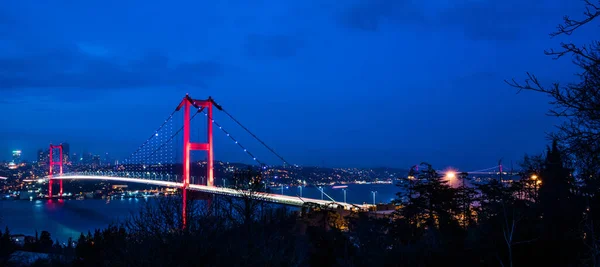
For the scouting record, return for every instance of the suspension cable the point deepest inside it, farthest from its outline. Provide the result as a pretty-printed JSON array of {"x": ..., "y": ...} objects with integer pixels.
[
  {"x": 175, "y": 134},
  {"x": 232, "y": 138},
  {"x": 152, "y": 136},
  {"x": 486, "y": 169},
  {"x": 253, "y": 135}
]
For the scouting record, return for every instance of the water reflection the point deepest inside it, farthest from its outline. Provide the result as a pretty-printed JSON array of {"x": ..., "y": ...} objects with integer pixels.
[{"x": 68, "y": 218}]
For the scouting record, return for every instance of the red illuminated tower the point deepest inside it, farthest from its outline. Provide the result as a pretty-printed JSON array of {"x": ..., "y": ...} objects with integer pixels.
[
  {"x": 188, "y": 145},
  {"x": 52, "y": 163}
]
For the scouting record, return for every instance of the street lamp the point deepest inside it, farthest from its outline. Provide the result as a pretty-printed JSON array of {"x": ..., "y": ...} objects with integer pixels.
[
  {"x": 536, "y": 182},
  {"x": 344, "y": 189},
  {"x": 373, "y": 192},
  {"x": 321, "y": 188}
]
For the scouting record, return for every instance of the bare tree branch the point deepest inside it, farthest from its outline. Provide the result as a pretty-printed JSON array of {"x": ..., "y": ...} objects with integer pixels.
[{"x": 578, "y": 102}]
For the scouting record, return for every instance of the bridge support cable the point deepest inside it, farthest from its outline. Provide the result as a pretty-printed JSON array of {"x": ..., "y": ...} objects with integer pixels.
[
  {"x": 219, "y": 107},
  {"x": 140, "y": 159},
  {"x": 486, "y": 169},
  {"x": 163, "y": 144},
  {"x": 155, "y": 158},
  {"x": 233, "y": 138},
  {"x": 323, "y": 191},
  {"x": 154, "y": 134}
]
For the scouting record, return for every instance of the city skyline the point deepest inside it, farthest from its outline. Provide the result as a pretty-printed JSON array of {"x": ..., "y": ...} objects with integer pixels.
[{"x": 363, "y": 83}]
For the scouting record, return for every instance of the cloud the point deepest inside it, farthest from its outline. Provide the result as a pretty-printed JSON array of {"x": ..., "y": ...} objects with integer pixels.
[
  {"x": 477, "y": 19},
  {"x": 271, "y": 46},
  {"x": 485, "y": 20},
  {"x": 367, "y": 15},
  {"x": 503, "y": 20},
  {"x": 12, "y": 101},
  {"x": 71, "y": 67}
]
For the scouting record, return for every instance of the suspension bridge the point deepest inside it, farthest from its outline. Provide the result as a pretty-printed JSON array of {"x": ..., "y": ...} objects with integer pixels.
[{"x": 155, "y": 161}]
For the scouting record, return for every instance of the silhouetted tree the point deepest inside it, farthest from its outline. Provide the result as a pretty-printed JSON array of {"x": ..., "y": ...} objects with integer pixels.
[
  {"x": 465, "y": 195},
  {"x": 373, "y": 240},
  {"x": 250, "y": 185},
  {"x": 6, "y": 244},
  {"x": 430, "y": 200},
  {"x": 576, "y": 102},
  {"x": 45, "y": 242},
  {"x": 565, "y": 205}
]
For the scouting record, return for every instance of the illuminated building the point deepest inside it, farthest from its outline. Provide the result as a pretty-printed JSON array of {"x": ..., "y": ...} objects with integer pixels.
[
  {"x": 16, "y": 155},
  {"x": 41, "y": 157},
  {"x": 12, "y": 166},
  {"x": 107, "y": 159},
  {"x": 96, "y": 161}
]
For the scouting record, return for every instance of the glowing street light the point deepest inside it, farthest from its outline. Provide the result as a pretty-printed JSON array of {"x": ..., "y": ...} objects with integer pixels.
[
  {"x": 450, "y": 175},
  {"x": 534, "y": 177}
]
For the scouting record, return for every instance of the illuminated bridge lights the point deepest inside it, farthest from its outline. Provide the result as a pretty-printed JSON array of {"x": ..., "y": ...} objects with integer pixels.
[{"x": 273, "y": 198}]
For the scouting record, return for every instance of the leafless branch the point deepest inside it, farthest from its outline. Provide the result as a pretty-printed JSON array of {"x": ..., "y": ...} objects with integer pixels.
[{"x": 570, "y": 25}]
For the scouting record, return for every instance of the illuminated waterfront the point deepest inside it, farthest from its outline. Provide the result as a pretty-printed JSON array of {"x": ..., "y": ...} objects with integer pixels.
[{"x": 68, "y": 218}]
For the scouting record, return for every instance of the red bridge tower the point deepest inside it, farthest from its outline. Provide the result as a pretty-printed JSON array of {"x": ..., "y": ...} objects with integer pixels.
[
  {"x": 52, "y": 163},
  {"x": 189, "y": 146}
]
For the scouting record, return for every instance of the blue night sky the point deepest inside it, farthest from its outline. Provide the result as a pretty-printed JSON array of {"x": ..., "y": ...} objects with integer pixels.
[{"x": 325, "y": 82}]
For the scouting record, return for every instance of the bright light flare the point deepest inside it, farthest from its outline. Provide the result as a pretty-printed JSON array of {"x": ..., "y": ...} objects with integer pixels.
[{"x": 452, "y": 177}]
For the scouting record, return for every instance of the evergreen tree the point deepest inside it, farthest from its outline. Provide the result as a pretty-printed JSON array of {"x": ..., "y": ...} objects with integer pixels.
[
  {"x": 466, "y": 196},
  {"x": 427, "y": 202},
  {"x": 560, "y": 210},
  {"x": 6, "y": 244},
  {"x": 45, "y": 242}
]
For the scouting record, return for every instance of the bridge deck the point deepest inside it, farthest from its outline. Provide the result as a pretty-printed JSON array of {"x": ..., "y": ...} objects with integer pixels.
[{"x": 274, "y": 198}]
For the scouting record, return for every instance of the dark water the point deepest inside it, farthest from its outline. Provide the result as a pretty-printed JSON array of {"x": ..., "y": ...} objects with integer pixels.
[
  {"x": 355, "y": 193},
  {"x": 68, "y": 218}
]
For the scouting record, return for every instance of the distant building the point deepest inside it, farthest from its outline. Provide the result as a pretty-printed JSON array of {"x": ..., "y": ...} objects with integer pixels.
[
  {"x": 96, "y": 160},
  {"x": 27, "y": 195},
  {"x": 107, "y": 159},
  {"x": 12, "y": 166},
  {"x": 87, "y": 158},
  {"x": 19, "y": 240},
  {"x": 41, "y": 158},
  {"x": 75, "y": 159},
  {"x": 16, "y": 155}
]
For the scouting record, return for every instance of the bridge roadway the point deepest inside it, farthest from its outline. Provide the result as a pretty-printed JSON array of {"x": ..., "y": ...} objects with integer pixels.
[{"x": 273, "y": 198}]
